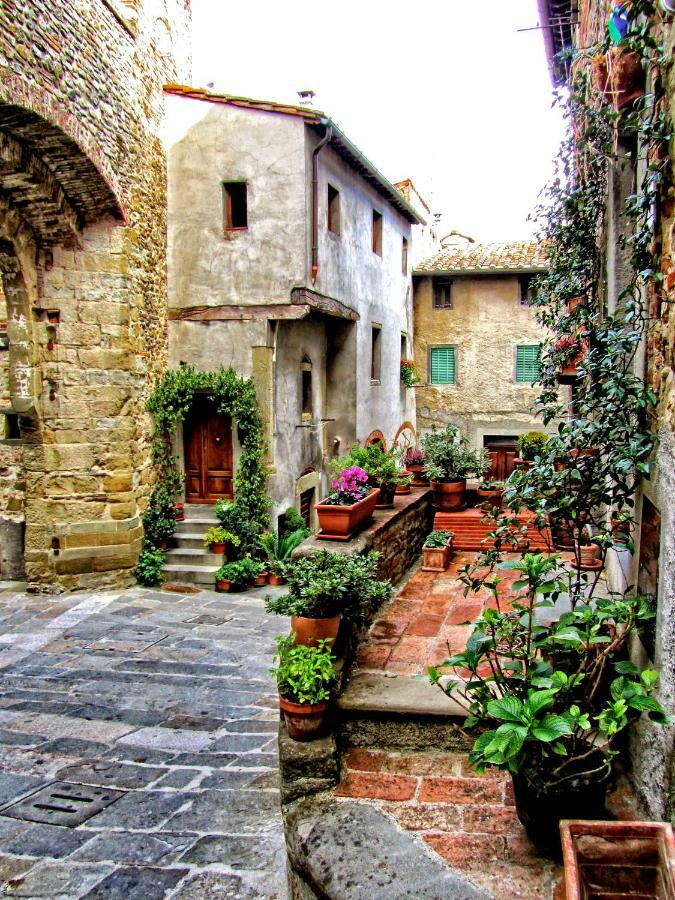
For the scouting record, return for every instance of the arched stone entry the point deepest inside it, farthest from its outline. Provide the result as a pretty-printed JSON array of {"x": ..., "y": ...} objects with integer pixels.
[{"x": 375, "y": 437}]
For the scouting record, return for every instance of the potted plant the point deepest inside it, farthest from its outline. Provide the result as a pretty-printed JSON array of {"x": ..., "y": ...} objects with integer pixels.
[
  {"x": 568, "y": 353},
  {"x": 241, "y": 573},
  {"x": 305, "y": 678},
  {"x": 586, "y": 551},
  {"x": 222, "y": 579},
  {"x": 491, "y": 492},
  {"x": 278, "y": 549},
  {"x": 217, "y": 538},
  {"x": 409, "y": 373},
  {"x": 448, "y": 461},
  {"x": 553, "y": 693},
  {"x": 622, "y": 523},
  {"x": 159, "y": 522},
  {"x": 348, "y": 507},
  {"x": 436, "y": 551},
  {"x": 323, "y": 587},
  {"x": 405, "y": 480},
  {"x": 414, "y": 462},
  {"x": 530, "y": 445}
]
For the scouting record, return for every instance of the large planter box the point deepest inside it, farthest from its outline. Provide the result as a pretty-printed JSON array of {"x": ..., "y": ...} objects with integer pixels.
[
  {"x": 339, "y": 523},
  {"x": 618, "y": 859}
]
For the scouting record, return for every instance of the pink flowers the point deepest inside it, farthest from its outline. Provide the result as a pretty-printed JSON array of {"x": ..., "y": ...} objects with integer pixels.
[{"x": 350, "y": 487}]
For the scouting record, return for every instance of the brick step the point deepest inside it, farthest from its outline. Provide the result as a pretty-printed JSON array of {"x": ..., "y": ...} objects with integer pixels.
[{"x": 471, "y": 532}]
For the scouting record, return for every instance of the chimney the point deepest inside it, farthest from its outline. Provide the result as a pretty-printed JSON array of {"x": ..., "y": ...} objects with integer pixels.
[{"x": 306, "y": 97}]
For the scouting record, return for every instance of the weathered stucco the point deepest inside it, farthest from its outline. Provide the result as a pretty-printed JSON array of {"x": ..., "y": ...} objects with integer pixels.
[{"x": 485, "y": 324}]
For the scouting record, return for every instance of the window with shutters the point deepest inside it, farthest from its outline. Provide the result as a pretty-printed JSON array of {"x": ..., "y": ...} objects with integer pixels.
[
  {"x": 442, "y": 365},
  {"x": 527, "y": 363},
  {"x": 442, "y": 293}
]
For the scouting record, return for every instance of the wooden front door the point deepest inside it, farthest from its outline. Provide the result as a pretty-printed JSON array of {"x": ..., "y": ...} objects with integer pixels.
[
  {"x": 207, "y": 438},
  {"x": 503, "y": 452}
]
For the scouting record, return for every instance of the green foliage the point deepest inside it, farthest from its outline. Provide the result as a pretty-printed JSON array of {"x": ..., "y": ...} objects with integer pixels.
[
  {"x": 383, "y": 467},
  {"x": 491, "y": 485},
  {"x": 278, "y": 549},
  {"x": 171, "y": 401},
  {"x": 409, "y": 374},
  {"x": 149, "y": 567},
  {"x": 233, "y": 518},
  {"x": 240, "y": 573},
  {"x": 438, "y": 538},
  {"x": 219, "y": 535},
  {"x": 292, "y": 521},
  {"x": 532, "y": 444},
  {"x": 159, "y": 520},
  {"x": 304, "y": 674},
  {"x": 542, "y": 686},
  {"x": 448, "y": 457},
  {"x": 328, "y": 584}
]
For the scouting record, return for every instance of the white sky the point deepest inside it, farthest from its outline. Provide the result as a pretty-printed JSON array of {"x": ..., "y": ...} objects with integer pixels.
[{"x": 445, "y": 92}]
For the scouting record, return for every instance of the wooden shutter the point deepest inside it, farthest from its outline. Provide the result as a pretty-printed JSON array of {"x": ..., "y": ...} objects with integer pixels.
[
  {"x": 443, "y": 365},
  {"x": 527, "y": 363}
]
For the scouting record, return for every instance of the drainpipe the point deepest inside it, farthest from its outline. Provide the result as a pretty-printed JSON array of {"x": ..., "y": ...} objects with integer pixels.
[{"x": 315, "y": 200}]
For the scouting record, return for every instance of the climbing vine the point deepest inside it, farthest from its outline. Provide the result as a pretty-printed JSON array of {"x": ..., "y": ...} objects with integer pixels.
[{"x": 171, "y": 401}]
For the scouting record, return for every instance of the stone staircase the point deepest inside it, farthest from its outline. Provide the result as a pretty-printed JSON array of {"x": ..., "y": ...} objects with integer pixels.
[
  {"x": 188, "y": 562},
  {"x": 470, "y": 530}
]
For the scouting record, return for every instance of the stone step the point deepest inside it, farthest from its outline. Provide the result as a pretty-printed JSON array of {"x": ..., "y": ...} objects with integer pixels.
[
  {"x": 190, "y": 540},
  {"x": 193, "y": 557},
  {"x": 399, "y": 711},
  {"x": 195, "y": 526},
  {"x": 190, "y": 574},
  {"x": 199, "y": 511}
]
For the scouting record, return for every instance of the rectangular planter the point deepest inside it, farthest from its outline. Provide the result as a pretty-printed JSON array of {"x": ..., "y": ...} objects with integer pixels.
[
  {"x": 340, "y": 523},
  {"x": 618, "y": 859},
  {"x": 435, "y": 559}
]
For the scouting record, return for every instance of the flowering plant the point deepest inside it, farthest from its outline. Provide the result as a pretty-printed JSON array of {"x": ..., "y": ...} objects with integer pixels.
[
  {"x": 409, "y": 373},
  {"x": 566, "y": 347},
  {"x": 350, "y": 487},
  {"x": 414, "y": 457}
]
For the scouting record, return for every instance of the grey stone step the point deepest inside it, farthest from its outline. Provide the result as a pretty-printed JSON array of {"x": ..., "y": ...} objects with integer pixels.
[
  {"x": 200, "y": 511},
  {"x": 193, "y": 557},
  {"x": 195, "y": 526},
  {"x": 402, "y": 694},
  {"x": 190, "y": 574},
  {"x": 189, "y": 541}
]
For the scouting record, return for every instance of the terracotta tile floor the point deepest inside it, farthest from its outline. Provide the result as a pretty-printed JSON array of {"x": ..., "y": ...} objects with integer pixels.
[{"x": 425, "y": 621}]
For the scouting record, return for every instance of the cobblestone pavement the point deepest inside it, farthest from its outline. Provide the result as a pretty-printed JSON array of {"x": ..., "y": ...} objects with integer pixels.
[{"x": 162, "y": 701}]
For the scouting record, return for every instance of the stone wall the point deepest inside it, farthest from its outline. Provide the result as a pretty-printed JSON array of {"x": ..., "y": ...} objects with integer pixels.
[{"x": 81, "y": 102}]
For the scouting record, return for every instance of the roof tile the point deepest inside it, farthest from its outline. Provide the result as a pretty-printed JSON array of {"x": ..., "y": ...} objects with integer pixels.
[{"x": 491, "y": 257}]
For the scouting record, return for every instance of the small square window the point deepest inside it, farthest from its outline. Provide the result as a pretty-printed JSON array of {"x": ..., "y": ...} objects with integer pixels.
[
  {"x": 442, "y": 293},
  {"x": 527, "y": 363},
  {"x": 527, "y": 292},
  {"x": 377, "y": 232},
  {"x": 236, "y": 205},
  {"x": 375, "y": 351},
  {"x": 333, "y": 210},
  {"x": 404, "y": 256},
  {"x": 442, "y": 367}
]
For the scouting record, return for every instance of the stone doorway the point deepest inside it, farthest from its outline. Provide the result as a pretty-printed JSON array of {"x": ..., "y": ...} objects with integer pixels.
[
  {"x": 503, "y": 451},
  {"x": 207, "y": 442}
]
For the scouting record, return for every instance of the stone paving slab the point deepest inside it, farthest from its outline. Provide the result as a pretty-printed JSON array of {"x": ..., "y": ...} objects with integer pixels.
[{"x": 165, "y": 697}]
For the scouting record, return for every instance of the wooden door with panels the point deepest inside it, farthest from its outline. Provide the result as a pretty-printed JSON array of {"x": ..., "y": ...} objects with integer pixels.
[
  {"x": 207, "y": 439},
  {"x": 503, "y": 451}
]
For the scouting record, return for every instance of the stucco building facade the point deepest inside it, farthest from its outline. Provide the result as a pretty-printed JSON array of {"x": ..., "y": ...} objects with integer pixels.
[
  {"x": 82, "y": 258},
  {"x": 476, "y": 343},
  {"x": 288, "y": 260}
]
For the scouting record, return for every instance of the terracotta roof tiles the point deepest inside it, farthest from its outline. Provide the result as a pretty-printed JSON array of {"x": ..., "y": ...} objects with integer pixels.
[{"x": 492, "y": 257}]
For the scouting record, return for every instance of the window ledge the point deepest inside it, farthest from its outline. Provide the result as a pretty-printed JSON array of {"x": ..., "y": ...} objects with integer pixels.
[{"x": 375, "y": 381}]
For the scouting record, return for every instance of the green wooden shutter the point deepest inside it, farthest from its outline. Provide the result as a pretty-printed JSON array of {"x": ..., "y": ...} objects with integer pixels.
[
  {"x": 527, "y": 363},
  {"x": 443, "y": 365}
]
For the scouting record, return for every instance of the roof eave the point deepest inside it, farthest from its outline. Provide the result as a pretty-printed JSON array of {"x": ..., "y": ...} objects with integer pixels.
[{"x": 519, "y": 270}]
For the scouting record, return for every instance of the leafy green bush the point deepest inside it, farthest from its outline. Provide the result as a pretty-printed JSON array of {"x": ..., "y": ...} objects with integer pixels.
[
  {"x": 159, "y": 520},
  {"x": 532, "y": 444},
  {"x": 448, "y": 457},
  {"x": 149, "y": 567},
  {"x": 383, "y": 467},
  {"x": 220, "y": 535},
  {"x": 328, "y": 584},
  {"x": 278, "y": 549},
  {"x": 438, "y": 538},
  {"x": 292, "y": 521},
  {"x": 240, "y": 573},
  {"x": 234, "y": 518},
  {"x": 304, "y": 674}
]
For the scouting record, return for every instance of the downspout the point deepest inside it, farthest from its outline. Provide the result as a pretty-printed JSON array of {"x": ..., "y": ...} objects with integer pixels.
[{"x": 315, "y": 200}]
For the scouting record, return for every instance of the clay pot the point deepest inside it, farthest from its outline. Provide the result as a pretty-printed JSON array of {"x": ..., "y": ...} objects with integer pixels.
[
  {"x": 309, "y": 631},
  {"x": 217, "y": 547},
  {"x": 223, "y": 585},
  {"x": 523, "y": 464},
  {"x": 494, "y": 498},
  {"x": 276, "y": 580},
  {"x": 304, "y": 721},
  {"x": 179, "y": 512},
  {"x": 261, "y": 579},
  {"x": 563, "y": 535},
  {"x": 436, "y": 559},
  {"x": 341, "y": 522},
  {"x": 621, "y": 531},
  {"x": 626, "y": 859},
  {"x": 449, "y": 496},
  {"x": 419, "y": 479},
  {"x": 386, "y": 497},
  {"x": 404, "y": 488},
  {"x": 587, "y": 554}
]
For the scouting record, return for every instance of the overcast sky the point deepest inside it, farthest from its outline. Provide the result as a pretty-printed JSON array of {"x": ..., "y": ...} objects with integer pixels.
[{"x": 446, "y": 92}]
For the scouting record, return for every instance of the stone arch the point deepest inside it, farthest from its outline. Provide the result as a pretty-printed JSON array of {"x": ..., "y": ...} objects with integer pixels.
[
  {"x": 375, "y": 437},
  {"x": 406, "y": 436}
]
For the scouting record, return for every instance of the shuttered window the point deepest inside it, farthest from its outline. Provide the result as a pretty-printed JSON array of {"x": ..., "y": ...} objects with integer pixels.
[
  {"x": 442, "y": 365},
  {"x": 527, "y": 363}
]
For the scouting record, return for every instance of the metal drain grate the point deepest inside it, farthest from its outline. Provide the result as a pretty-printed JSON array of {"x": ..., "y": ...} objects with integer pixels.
[
  {"x": 63, "y": 803},
  {"x": 206, "y": 620}
]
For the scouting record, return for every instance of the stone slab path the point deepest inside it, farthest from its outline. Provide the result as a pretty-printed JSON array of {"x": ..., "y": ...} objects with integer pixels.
[{"x": 164, "y": 700}]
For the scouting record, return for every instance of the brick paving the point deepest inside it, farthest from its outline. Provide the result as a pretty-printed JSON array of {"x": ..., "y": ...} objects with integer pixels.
[{"x": 165, "y": 697}]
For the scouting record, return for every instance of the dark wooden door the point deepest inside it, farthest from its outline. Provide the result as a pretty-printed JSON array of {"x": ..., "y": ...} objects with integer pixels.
[
  {"x": 503, "y": 452},
  {"x": 207, "y": 438}
]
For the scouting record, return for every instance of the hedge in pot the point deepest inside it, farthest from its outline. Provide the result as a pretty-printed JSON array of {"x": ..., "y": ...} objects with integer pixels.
[
  {"x": 305, "y": 678},
  {"x": 149, "y": 567},
  {"x": 531, "y": 445},
  {"x": 436, "y": 551},
  {"x": 349, "y": 507},
  {"x": 557, "y": 695},
  {"x": 159, "y": 520},
  {"x": 448, "y": 461},
  {"x": 323, "y": 587}
]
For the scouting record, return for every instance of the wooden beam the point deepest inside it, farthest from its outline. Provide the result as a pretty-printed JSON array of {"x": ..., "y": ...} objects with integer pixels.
[{"x": 239, "y": 313}]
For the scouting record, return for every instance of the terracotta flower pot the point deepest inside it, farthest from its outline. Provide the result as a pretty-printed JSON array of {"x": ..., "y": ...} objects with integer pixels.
[
  {"x": 304, "y": 721},
  {"x": 179, "y": 512},
  {"x": 276, "y": 580},
  {"x": 436, "y": 559},
  {"x": 217, "y": 547},
  {"x": 262, "y": 578},
  {"x": 341, "y": 522},
  {"x": 449, "y": 496},
  {"x": 419, "y": 478},
  {"x": 621, "y": 531},
  {"x": 309, "y": 631},
  {"x": 404, "y": 488},
  {"x": 386, "y": 497},
  {"x": 587, "y": 553},
  {"x": 618, "y": 859},
  {"x": 223, "y": 585},
  {"x": 523, "y": 464},
  {"x": 494, "y": 498}
]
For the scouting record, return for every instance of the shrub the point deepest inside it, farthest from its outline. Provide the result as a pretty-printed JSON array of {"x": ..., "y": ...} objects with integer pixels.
[
  {"x": 149, "y": 567},
  {"x": 240, "y": 573},
  {"x": 438, "y": 538},
  {"x": 234, "y": 518},
  {"x": 292, "y": 521},
  {"x": 448, "y": 457},
  {"x": 278, "y": 549},
  {"x": 159, "y": 520},
  {"x": 532, "y": 444},
  {"x": 304, "y": 674}
]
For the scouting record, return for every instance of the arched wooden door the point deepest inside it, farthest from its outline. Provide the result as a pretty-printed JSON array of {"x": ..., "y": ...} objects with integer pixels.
[{"x": 207, "y": 438}]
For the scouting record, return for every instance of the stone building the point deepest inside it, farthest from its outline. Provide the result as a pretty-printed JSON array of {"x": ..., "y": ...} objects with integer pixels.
[
  {"x": 476, "y": 343},
  {"x": 289, "y": 261},
  {"x": 82, "y": 258},
  {"x": 651, "y": 568}
]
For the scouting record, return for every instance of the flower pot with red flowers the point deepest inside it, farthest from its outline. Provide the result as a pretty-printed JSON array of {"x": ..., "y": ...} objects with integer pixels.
[
  {"x": 414, "y": 463},
  {"x": 491, "y": 492},
  {"x": 568, "y": 354},
  {"x": 217, "y": 538},
  {"x": 448, "y": 461},
  {"x": 350, "y": 506},
  {"x": 436, "y": 551},
  {"x": 305, "y": 678},
  {"x": 619, "y": 76}
]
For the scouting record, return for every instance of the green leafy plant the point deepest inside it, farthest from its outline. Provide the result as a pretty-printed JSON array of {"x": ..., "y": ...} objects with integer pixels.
[
  {"x": 383, "y": 467},
  {"x": 292, "y": 521},
  {"x": 150, "y": 566},
  {"x": 278, "y": 549},
  {"x": 159, "y": 520},
  {"x": 328, "y": 584},
  {"x": 410, "y": 375},
  {"x": 304, "y": 674},
  {"x": 240, "y": 573},
  {"x": 491, "y": 485},
  {"x": 438, "y": 538},
  {"x": 219, "y": 535},
  {"x": 532, "y": 444},
  {"x": 448, "y": 457},
  {"x": 234, "y": 518}
]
